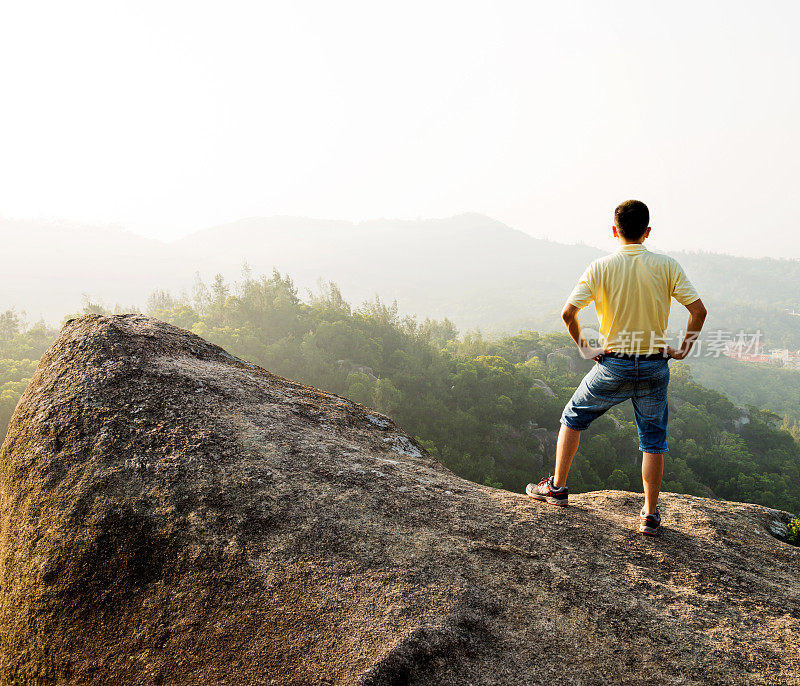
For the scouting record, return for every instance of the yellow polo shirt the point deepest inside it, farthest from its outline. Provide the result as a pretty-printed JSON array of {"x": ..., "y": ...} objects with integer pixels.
[{"x": 632, "y": 290}]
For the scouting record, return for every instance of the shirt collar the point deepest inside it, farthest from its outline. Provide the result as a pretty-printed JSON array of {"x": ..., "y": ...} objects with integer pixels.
[{"x": 632, "y": 248}]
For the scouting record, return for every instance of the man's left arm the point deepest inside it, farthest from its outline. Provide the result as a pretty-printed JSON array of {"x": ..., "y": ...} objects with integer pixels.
[
  {"x": 569, "y": 316},
  {"x": 581, "y": 296}
]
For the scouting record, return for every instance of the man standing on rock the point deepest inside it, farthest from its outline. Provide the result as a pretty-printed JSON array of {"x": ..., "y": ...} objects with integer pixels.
[{"x": 632, "y": 290}]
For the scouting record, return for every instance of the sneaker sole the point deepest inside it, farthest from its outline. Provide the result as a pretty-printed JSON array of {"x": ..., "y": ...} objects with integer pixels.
[
  {"x": 650, "y": 531},
  {"x": 549, "y": 499}
]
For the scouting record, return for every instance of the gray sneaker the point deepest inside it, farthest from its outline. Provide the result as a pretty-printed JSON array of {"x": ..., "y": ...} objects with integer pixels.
[
  {"x": 650, "y": 524},
  {"x": 545, "y": 490}
]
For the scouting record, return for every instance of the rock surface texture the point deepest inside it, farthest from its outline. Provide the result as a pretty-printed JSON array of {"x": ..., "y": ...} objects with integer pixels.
[{"x": 170, "y": 514}]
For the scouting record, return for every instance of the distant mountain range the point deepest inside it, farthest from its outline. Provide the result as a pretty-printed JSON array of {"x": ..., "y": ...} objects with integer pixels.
[{"x": 470, "y": 268}]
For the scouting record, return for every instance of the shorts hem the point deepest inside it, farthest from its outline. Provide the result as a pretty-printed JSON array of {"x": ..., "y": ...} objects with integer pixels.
[
  {"x": 570, "y": 426},
  {"x": 665, "y": 449}
]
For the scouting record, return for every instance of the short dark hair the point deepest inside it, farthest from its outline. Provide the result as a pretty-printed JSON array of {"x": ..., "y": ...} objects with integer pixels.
[{"x": 631, "y": 219}]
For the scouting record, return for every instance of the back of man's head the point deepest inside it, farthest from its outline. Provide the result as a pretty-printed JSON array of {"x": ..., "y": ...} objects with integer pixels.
[{"x": 631, "y": 219}]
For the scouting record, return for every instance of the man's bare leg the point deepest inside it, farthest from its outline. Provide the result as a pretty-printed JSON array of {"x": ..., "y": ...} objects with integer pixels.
[
  {"x": 568, "y": 441},
  {"x": 652, "y": 471}
]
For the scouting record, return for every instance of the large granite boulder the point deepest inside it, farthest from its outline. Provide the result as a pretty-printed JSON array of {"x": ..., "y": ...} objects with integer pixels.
[{"x": 170, "y": 514}]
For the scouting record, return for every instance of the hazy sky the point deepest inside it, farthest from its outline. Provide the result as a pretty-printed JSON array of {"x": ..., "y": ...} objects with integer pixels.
[{"x": 167, "y": 116}]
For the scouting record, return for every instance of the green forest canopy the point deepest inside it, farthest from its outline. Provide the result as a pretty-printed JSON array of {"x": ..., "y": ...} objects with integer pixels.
[{"x": 488, "y": 409}]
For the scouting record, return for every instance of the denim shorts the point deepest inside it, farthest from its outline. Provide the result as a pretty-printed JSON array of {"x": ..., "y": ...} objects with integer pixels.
[{"x": 614, "y": 380}]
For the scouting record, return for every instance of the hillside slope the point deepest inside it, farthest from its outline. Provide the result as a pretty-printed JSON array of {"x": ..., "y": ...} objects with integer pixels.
[
  {"x": 172, "y": 515},
  {"x": 470, "y": 268}
]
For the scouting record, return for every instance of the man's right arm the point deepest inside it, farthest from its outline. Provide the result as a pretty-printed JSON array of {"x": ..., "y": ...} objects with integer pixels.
[
  {"x": 697, "y": 316},
  {"x": 684, "y": 292}
]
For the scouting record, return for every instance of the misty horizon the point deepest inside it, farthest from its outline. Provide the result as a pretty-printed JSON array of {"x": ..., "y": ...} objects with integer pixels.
[
  {"x": 472, "y": 269},
  {"x": 604, "y": 240}
]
